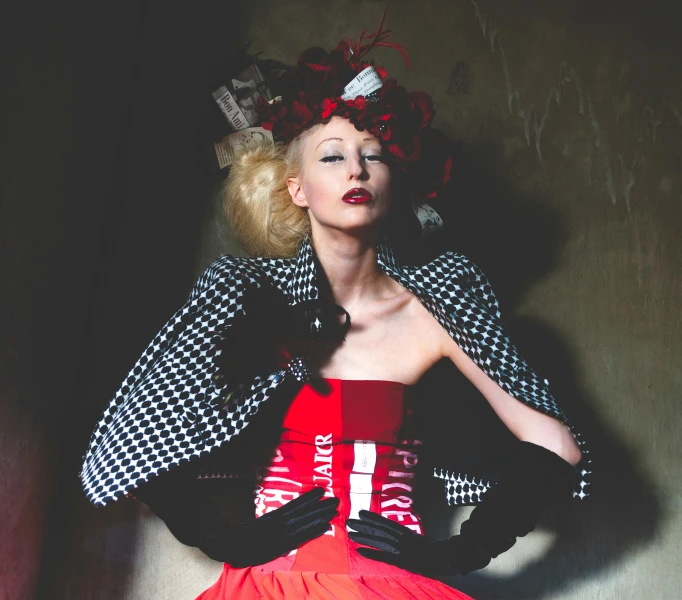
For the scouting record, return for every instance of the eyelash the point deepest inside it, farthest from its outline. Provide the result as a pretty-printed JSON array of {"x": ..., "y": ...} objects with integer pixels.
[{"x": 331, "y": 159}]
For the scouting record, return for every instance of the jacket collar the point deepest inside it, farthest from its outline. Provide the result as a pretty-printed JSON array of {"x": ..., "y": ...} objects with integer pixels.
[{"x": 304, "y": 285}]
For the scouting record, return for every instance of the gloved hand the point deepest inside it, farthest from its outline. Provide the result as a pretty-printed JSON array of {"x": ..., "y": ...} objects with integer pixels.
[
  {"x": 532, "y": 479},
  {"x": 196, "y": 521},
  {"x": 249, "y": 345},
  {"x": 397, "y": 545},
  {"x": 257, "y": 541}
]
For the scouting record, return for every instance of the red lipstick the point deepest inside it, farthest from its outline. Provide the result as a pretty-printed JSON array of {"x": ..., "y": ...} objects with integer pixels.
[{"x": 357, "y": 196}]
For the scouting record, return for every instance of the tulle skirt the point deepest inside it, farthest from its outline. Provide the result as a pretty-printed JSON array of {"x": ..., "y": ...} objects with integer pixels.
[
  {"x": 319, "y": 570},
  {"x": 254, "y": 583}
]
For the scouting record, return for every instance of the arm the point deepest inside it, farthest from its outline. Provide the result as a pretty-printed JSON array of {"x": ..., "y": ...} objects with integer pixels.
[
  {"x": 534, "y": 474},
  {"x": 196, "y": 520},
  {"x": 525, "y": 423},
  {"x": 530, "y": 478}
]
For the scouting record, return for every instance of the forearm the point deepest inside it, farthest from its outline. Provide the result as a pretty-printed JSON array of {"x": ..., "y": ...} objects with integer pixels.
[
  {"x": 195, "y": 520},
  {"x": 555, "y": 436},
  {"x": 188, "y": 512},
  {"x": 532, "y": 478},
  {"x": 530, "y": 425},
  {"x": 526, "y": 423}
]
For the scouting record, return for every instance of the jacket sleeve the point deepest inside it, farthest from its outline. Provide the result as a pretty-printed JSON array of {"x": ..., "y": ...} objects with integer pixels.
[
  {"x": 478, "y": 328},
  {"x": 163, "y": 407}
]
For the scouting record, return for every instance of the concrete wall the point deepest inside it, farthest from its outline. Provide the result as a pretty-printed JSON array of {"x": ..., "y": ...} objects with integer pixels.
[
  {"x": 567, "y": 192},
  {"x": 149, "y": 241},
  {"x": 105, "y": 189},
  {"x": 60, "y": 136}
]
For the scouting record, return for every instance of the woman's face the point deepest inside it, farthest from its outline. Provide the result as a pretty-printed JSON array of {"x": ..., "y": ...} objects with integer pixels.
[{"x": 345, "y": 182}]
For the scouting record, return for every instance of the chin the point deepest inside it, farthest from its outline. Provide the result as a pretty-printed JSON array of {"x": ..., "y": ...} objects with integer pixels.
[
  {"x": 365, "y": 225},
  {"x": 354, "y": 221}
]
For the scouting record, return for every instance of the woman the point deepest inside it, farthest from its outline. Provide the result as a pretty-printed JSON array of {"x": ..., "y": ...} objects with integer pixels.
[{"x": 337, "y": 340}]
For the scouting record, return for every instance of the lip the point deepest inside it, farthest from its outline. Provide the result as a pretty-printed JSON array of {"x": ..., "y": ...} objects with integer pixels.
[{"x": 357, "y": 196}]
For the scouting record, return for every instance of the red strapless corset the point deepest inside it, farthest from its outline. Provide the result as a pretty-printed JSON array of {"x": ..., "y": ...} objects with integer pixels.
[{"x": 354, "y": 438}]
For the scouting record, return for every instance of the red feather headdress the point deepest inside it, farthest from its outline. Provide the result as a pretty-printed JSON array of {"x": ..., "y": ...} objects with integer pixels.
[{"x": 320, "y": 86}]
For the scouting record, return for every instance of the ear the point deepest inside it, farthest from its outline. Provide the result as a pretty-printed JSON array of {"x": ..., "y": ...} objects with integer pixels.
[{"x": 296, "y": 192}]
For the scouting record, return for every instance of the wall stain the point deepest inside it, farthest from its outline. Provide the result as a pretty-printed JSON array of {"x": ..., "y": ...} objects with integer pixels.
[
  {"x": 648, "y": 111},
  {"x": 460, "y": 79},
  {"x": 618, "y": 181}
]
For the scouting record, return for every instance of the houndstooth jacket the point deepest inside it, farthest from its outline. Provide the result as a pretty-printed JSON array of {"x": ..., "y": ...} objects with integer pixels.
[{"x": 170, "y": 409}]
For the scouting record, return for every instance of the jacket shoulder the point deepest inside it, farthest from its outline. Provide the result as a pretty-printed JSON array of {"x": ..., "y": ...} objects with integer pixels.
[
  {"x": 224, "y": 270},
  {"x": 452, "y": 265},
  {"x": 451, "y": 273}
]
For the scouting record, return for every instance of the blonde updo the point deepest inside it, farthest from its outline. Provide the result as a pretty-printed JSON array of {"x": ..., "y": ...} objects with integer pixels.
[{"x": 257, "y": 202}]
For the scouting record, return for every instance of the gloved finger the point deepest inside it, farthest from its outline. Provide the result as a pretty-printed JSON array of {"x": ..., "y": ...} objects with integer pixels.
[
  {"x": 319, "y": 512},
  {"x": 372, "y": 531},
  {"x": 305, "y": 500},
  {"x": 372, "y": 519},
  {"x": 379, "y": 523},
  {"x": 307, "y": 497},
  {"x": 310, "y": 507},
  {"x": 320, "y": 519},
  {"x": 373, "y": 542},
  {"x": 385, "y": 557},
  {"x": 309, "y": 533}
]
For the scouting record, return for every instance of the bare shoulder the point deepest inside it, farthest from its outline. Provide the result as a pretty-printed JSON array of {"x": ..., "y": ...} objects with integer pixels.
[{"x": 427, "y": 328}]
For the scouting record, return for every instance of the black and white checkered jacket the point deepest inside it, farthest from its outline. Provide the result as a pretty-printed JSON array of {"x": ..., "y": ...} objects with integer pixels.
[{"x": 170, "y": 409}]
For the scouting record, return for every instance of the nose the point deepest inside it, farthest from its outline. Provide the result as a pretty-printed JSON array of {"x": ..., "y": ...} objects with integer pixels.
[{"x": 356, "y": 168}]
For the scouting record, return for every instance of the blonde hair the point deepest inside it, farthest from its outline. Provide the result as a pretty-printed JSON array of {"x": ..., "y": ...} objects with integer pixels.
[{"x": 257, "y": 202}]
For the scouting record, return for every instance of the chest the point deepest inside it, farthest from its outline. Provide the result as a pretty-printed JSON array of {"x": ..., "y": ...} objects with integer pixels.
[{"x": 395, "y": 341}]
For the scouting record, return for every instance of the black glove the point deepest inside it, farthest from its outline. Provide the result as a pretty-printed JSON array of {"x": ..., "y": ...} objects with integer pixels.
[
  {"x": 532, "y": 479},
  {"x": 397, "y": 545},
  {"x": 248, "y": 345},
  {"x": 195, "y": 521}
]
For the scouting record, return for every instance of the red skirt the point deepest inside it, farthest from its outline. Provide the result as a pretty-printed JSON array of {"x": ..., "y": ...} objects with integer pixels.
[
  {"x": 327, "y": 568},
  {"x": 254, "y": 583}
]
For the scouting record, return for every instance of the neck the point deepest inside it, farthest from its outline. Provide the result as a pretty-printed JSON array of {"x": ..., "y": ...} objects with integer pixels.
[{"x": 350, "y": 266}]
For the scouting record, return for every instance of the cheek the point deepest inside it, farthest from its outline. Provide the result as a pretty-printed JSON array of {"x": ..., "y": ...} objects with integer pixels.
[
  {"x": 316, "y": 193},
  {"x": 386, "y": 183},
  {"x": 320, "y": 187}
]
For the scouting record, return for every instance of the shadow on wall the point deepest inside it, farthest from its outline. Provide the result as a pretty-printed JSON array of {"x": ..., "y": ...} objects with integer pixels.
[
  {"x": 622, "y": 513},
  {"x": 153, "y": 207},
  {"x": 516, "y": 240}
]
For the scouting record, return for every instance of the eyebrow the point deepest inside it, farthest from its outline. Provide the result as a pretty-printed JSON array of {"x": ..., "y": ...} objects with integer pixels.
[{"x": 338, "y": 139}]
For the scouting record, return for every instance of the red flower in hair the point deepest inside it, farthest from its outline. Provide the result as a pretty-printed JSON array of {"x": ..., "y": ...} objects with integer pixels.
[
  {"x": 328, "y": 107},
  {"x": 408, "y": 152},
  {"x": 360, "y": 102},
  {"x": 394, "y": 99},
  {"x": 424, "y": 107},
  {"x": 311, "y": 93},
  {"x": 301, "y": 112}
]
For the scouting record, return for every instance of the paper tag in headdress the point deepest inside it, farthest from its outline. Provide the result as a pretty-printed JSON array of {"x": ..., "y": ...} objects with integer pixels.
[
  {"x": 231, "y": 145},
  {"x": 365, "y": 83},
  {"x": 430, "y": 220},
  {"x": 249, "y": 85},
  {"x": 238, "y": 102},
  {"x": 229, "y": 107}
]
